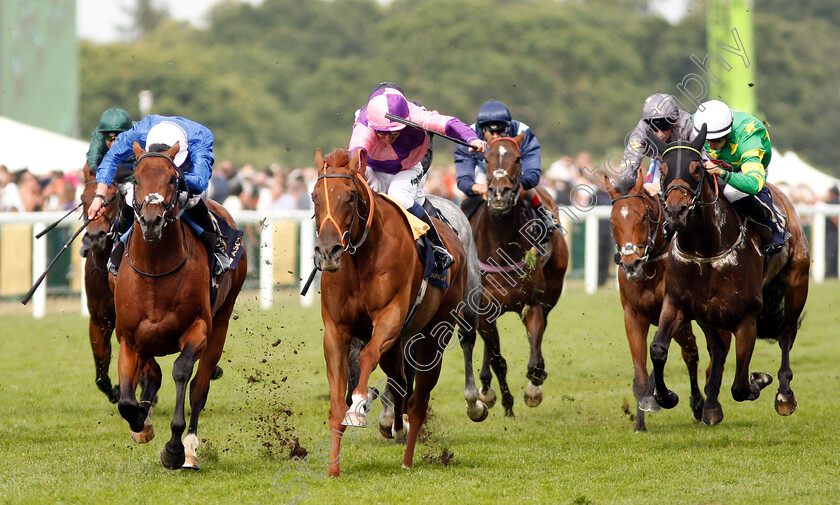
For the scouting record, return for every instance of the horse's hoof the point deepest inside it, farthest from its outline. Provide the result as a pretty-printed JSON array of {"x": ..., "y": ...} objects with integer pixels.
[
  {"x": 533, "y": 395},
  {"x": 696, "y": 403},
  {"x": 385, "y": 431},
  {"x": 648, "y": 404},
  {"x": 217, "y": 373},
  {"x": 401, "y": 435},
  {"x": 355, "y": 419},
  {"x": 172, "y": 460},
  {"x": 148, "y": 433},
  {"x": 509, "y": 413},
  {"x": 190, "y": 463},
  {"x": 488, "y": 396},
  {"x": 762, "y": 379},
  {"x": 669, "y": 401},
  {"x": 712, "y": 416},
  {"x": 479, "y": 411},
  {"x": 114, "y": 394},
  {"x": 785, "y": 406}
]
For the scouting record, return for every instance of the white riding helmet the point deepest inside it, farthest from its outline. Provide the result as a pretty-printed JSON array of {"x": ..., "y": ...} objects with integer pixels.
[
  {"x": 717, "y": 116},
  {"x": 167, "y": 132}
]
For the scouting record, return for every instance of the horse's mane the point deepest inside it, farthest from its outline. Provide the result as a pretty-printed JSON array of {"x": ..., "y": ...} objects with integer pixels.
[{"x": 338, "y": 158}]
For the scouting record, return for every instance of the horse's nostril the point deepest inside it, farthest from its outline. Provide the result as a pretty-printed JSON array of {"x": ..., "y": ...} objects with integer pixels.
[{"x": 336, "y": 250}]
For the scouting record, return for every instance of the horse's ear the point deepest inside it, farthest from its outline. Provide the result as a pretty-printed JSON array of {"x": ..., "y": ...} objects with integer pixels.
[
  {"x": 519, "y": 138},
  {"x": 138, "y": 151},
  {"x": 640, "y": 180},
  {"x": 700, "y": 139},
  {"x": 359, "y": 161},
  {"x": 658, "y": 144},
  {"x": 173, "y": 150},
  {"x": 611, "y": 189},
  {"x": 319, "y": 159}
]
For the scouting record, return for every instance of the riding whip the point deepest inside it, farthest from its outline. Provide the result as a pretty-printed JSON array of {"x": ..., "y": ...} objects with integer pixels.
[
  {"x": 308, "y": 282},
  {"x": 43, "y": 275},
  {"x": 50, "y": 227},
  {"x": 412, "y": 124}
]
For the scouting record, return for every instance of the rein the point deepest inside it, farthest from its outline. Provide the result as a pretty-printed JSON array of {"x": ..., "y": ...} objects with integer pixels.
[
  {"x": 183, "y": 262},
  {"x": 348, "y": 246}
]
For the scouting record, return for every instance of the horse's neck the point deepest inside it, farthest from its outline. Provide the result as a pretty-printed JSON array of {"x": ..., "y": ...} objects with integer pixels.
[
  {"x": 502, "y": 233},
  {"x": 161, "y": 256},
  {"x": 710, "y": 229}
]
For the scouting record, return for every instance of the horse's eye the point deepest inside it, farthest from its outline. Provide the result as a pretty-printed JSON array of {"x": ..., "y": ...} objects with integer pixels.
[{"x": 173, "y": 180}]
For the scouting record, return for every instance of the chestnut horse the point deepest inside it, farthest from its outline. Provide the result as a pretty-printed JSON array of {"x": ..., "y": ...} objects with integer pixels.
[
  {"x": 163, "y": 306},
  {"x": 636, "y": 220},
  {"x": 371, "y": 280},
  {"x": 519, "y": 273},
  {"x": 718, "y": 277}
]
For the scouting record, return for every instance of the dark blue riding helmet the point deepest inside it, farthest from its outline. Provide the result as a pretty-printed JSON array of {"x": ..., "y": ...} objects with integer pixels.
[{"x": 493, "y": 111}]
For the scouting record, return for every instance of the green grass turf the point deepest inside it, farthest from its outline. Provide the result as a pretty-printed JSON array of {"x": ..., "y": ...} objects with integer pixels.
[{"x": 62, "y": 442}]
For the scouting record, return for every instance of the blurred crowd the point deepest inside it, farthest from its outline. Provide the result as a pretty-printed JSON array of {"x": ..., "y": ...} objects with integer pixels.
[{"x": 280, "y": 188}]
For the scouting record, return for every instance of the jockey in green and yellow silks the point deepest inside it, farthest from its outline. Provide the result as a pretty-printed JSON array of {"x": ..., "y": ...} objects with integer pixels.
[{"x": 740, "y": 151}]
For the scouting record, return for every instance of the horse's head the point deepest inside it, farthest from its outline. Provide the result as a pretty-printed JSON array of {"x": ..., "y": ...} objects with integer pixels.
[
  {"x": 98, "y": 229},
  {"x": 683, "y": 175},
  {"x": 336, "y": 197},
  {"x": 503, "y": 172},
  {"x": 155, "y": 189},
  {"x": 635, "y": 219}
]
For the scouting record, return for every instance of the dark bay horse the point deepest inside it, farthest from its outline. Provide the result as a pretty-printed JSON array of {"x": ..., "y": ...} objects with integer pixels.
[
  {"x": 100, "y": 299},
  {"x": 636, "y": 221},
  {"x": 371, "y": 280},
  {"x": 519, "y": 273},
  {"x": 718, "y": 277},
  {"x": 162, "y": 300}
]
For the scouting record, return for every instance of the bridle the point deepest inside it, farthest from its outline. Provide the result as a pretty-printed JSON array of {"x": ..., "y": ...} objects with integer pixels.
[
  {"x": 346, "y": 237},
  {"x": 685, "y": 189},
  {"x": 169, "y": 216},
  {"x": 647, "y": 247},
  {"x": 499, "y": 173}
]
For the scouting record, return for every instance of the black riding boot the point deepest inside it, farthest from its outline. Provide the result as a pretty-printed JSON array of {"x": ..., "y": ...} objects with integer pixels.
[
  {"x": 772, "y": 234},
  {"x": 212, "y": 238},
  {"x": 547, "y": 220},
  {"x": 121, "y": 226},
  {"x": 443, "y": 259}
]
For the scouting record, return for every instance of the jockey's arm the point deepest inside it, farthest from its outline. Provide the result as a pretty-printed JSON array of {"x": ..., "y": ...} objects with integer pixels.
[
  {"x": 752, "y": 176},
  {"x": 531, "y": 154},
  {"x": 465, "y": 170}
]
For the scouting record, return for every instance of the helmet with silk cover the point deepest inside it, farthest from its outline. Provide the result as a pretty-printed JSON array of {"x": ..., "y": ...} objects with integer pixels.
[
  {"x": 384, "y": 101},
  {"x": 168, "y": 133},
  {"x": 717, "y": 116}
]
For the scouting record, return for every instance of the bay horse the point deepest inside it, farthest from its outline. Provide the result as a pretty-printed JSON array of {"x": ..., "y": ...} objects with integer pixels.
[
  {"x": 100, "y": 299},
  {"x": 163, "y": 306},
  {"x": 370, "y": 282},
  {"x": 718, "y": 277},
  {"x": 514, "y": 278},
  {"x": 100, "y": 234},
  {"x": 642, "y": 253}
]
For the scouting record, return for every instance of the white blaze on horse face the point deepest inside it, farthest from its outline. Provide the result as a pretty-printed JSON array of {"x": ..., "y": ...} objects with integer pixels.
[
  {"x": 499, "y": 174},
  {"x": 502, "y": 152},
  {"x": 153, "y": 198},
  {"x": 624, "y": 211}
]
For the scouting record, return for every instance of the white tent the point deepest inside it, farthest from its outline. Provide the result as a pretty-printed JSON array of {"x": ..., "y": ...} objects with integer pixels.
[
  {"x": 791, "y": 169},
  {"x": 39, "y": 150}
]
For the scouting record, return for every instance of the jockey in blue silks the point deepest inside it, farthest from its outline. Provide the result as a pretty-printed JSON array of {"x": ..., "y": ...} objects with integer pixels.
[{"x": 195, "y": 158}]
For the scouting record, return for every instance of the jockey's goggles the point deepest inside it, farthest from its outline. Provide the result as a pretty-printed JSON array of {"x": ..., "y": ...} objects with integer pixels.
[
  {"x": 110, "y": 136},
  {"x": 660, "y": 124}
]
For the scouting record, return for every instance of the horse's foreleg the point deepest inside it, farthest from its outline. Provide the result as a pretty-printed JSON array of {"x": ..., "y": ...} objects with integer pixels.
[
  {"x": 386, "y": 330},
  {"x": 467, "y": 327},
  {"x": 747, "y": 386},
  {"x": 717, "y": 346},
  {"x": 395, "y": 394},
  {"x": 636, "y": 326},
  {"x": 100, "y": 343},
  {"x": 685, "y": 338},
  {"x": 336, "y": 350},
  {"x": 173, "y": 455},
  {"x": 129, "y": 365},
  {"x": 670, "y": 319},
  {"x": 493, "y": 355},
  {"x": 150, "y": 377},
  {"x": 535, "y": 325}
]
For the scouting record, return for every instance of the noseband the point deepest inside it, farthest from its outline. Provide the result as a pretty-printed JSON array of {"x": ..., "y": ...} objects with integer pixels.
[
  {"x": 347, "y": 244},
  {"x": 630, "y": 249},
  {"x": 155, "y": 198},
  {"x": 502, "y": 174}
]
